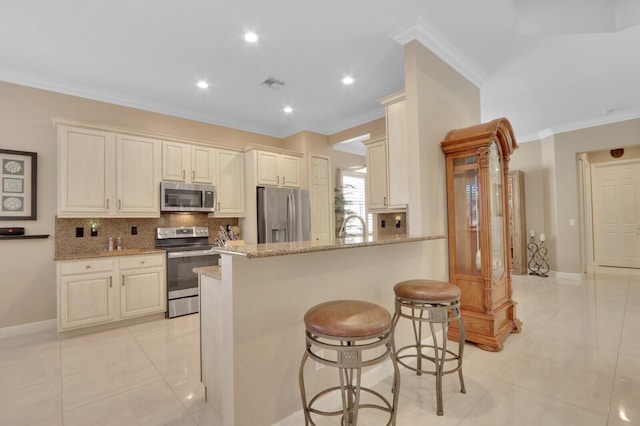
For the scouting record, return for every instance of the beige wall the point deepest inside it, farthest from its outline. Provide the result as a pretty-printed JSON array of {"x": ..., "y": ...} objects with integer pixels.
[
  {"x": 438, "y": 100},
  {"x": 375, "y": 128},
  {"x": 27, "y": 281},
  {"x": 553, "y": 189},
  {"x": 316, "y": 143},
  {"x": 527, "y": 158}
]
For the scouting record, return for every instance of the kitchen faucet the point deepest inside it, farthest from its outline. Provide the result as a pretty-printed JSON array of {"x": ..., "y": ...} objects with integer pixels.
[{"x": 346, "y": 219}]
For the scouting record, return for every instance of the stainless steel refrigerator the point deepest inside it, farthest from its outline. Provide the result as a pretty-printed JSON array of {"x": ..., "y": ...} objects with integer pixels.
[{"x": 283, "y": 215}]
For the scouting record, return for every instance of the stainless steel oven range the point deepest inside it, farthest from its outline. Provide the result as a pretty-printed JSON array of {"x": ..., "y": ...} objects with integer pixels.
[{"x": 187, "y": 248}]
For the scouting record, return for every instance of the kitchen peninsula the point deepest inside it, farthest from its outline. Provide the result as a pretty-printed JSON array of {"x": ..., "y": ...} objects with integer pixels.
[{"x": 252, "y": 309}]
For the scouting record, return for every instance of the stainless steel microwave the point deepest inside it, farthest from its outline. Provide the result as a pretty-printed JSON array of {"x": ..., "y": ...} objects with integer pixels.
[{"x": 187, "y": 197}]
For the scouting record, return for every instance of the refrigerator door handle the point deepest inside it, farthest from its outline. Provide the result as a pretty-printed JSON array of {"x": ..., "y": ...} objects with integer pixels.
[{"x": 289, "y": 236}]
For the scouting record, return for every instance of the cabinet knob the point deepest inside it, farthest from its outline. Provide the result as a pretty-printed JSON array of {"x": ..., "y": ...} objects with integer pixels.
[
  {"x": 107, "y": 204},
  {"x": 123, "y": 281},
  {"x": 182, "y": 174},
  {"x": 88, "y": 267},
  {"x": 218, "y": 205},
  {"x": 193, "y": 175},
  {"x": 110, "y": 282},
  {"x": 278, "y": 180},
  {"x": 385, "y": 201},
  {"x": 119, "y": 204},
  {"x": 142, "y": 262},
  {"x": 283, "y": 180}
]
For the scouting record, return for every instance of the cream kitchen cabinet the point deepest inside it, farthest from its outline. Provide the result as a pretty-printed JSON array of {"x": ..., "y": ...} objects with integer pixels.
[
  {"x": 276, "y": 169},
  {"x": 98, "y": 290},
  {"x": 106, "y": 174},
  {"x": 86, "y": 293},
  {"x": 377, "y": 188},
  {"x": 230, "y": 183},
  {"x": 387, "y": 181},
  {"x": 183, "y": 162},
  {"x": 142, "y": 285}
]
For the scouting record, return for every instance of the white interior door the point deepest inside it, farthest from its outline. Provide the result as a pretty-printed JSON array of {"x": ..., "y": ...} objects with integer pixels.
[
  {"x": 616, "y": 208},
  {"x": 321, "y": 198}
]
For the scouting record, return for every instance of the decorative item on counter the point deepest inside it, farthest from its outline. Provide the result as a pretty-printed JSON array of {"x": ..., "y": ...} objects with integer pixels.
[
  {"x": 110, "y": 244},
  {"x": 119, "y": 244},
  {"x": 538, "y": 259}
]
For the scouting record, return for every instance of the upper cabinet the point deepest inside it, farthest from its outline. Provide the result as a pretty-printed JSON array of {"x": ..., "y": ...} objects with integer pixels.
[
  {"x": 387, "y": 180},
  {"x": 275, "y": 169},
  {"x": 229, "y": 168},
  {"x": 377, "y": 179},
  {"x": 137, "y": 176},
  {"x": 183, "y": 162},
  {"x": 102, "y": 174}
]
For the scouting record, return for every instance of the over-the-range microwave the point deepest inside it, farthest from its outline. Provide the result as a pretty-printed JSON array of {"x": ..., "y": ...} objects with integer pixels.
[{"x": 187, "y": 197}]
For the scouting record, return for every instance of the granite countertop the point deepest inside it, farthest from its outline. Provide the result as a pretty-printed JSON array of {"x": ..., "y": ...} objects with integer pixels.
[
  {"x": 106, "y": 253},
  {"x": 255, "y": 251},
  {"x": 209, "y": 271}
]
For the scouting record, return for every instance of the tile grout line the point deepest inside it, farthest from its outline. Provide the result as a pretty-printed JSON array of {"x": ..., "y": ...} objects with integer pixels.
[{"x": 162, "y": 377}]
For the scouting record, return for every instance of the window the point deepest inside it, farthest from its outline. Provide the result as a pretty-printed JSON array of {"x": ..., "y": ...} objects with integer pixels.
[{"x": 353, "y": 190}]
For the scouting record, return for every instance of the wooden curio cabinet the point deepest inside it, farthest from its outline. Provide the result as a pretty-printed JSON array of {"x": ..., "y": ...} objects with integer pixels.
[{"x": 477, "y": 160}]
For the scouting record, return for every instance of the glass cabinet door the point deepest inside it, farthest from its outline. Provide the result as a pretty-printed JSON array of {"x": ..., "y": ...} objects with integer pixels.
[
  {"x": 495, "y": 212},
  {"x": 467, "y": 224}
]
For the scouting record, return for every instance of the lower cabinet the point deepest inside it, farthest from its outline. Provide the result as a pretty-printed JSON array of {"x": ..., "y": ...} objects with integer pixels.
[{"x": 99, "y": 291}]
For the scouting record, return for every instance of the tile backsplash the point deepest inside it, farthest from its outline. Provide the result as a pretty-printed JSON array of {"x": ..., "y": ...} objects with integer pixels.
[
  {"x": 390, "y": 220},
  {"x": 68, "y": 244}
]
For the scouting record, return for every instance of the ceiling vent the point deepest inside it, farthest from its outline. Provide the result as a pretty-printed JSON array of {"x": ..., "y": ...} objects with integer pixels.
[{"x": 272, "y": 83}]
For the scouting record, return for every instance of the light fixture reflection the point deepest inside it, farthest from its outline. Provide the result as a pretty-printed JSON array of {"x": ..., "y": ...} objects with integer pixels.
[
  {"x": 288, "y": 110},
  {"x": 250, "y": 37},
  {"x": 203, "y": 84}
]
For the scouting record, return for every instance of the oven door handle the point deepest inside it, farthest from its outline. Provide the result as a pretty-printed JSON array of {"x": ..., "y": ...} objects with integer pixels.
[{"x": 190, "y": 253}]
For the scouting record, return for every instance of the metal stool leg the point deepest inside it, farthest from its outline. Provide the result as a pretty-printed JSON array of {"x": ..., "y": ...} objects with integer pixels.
[{"x": 303, "y": 393}]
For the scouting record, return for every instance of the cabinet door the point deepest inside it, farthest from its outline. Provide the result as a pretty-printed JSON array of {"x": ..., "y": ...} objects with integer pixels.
[
  {"x": 86, "y": 299},
  {"x": 142, "y": 292},
  {"x": 202, "y": 160},
  {"x": 175, "y": 161},
  {"x": 377, "y": 175},
  {"x": 268, "y": 168},
  {"x": 397, "y": 153},
  {"x": 85, "y": 172},
  {"x": 138, "y": 176},
  {"x": 230, "y": 183},
  {"x": 290, "y": 176}
]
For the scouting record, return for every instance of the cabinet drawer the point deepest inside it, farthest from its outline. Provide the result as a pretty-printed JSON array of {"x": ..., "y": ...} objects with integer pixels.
[
  {"x": 135, "y": 262},
  {"x": 87, "y": 266}
]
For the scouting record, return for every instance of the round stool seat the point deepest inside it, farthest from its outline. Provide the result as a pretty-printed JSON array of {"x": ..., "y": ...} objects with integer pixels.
[
  {"x": 433, "y": 291},
  {"x": 347, "y": 318}
]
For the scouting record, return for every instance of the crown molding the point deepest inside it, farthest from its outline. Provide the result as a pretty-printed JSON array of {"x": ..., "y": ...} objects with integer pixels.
[
  {"x": 579, "y": 125},
  {"x": 125, "y": 101},
  {"x": 433, "y": 40}
]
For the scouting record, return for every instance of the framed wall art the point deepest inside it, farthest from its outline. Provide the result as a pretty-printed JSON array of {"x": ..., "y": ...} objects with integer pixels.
[{"x": 18, "y": 193}]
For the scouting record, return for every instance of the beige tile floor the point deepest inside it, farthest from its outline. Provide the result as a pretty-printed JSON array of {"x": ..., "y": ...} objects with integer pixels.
[{"x": 576, "y": 362}]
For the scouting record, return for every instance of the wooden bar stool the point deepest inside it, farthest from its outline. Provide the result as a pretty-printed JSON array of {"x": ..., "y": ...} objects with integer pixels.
[
  {"x": 434, "y": 303},
  {"x": 349, "y": 335}
]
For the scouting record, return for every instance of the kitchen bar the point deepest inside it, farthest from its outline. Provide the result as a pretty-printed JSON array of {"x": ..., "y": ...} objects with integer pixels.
[{"x": 252, "y": 331}]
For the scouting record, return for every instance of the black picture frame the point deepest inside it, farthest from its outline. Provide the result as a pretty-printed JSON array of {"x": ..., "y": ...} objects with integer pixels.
[{"x": 18, "y": 185}]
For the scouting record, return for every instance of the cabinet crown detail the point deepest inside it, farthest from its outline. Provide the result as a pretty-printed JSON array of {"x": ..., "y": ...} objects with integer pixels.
[{"x": 273, "y": 149}]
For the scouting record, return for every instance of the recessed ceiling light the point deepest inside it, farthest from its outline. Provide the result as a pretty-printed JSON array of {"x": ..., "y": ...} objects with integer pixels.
[
  {"x": 203, "y": 84},
  {"x": 288, "y": 110},
  {"x": 250, "y": 37},
  {"x": 348, "y": 80}
]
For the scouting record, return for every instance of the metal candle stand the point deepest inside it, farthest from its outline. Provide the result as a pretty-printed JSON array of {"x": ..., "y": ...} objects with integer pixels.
[{"x": 538, "y": 259}]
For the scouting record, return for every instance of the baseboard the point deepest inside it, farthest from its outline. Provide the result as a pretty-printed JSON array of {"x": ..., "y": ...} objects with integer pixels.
[{"x": 30, "y": 327}]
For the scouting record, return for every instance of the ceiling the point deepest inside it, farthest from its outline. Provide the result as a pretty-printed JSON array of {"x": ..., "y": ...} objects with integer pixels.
[{"x": 547, "y": 65}]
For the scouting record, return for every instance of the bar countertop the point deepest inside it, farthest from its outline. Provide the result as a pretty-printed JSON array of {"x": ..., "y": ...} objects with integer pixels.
[{"x": 256, "y": 251}]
